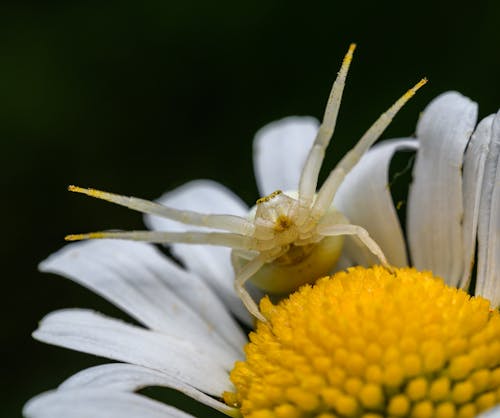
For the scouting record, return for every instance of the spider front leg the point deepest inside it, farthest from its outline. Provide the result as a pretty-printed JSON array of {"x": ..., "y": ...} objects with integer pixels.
[
  {"x": 361, "y": 233},
  {"x": 242, "y": 276},
  {"x": 327, "y": 191}
]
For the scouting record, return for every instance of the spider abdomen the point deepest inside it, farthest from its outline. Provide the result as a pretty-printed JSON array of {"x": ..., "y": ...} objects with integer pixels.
[{"x": 297, "y": 266}]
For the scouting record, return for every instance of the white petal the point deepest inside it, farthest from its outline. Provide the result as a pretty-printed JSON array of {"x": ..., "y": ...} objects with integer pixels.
[
  {"x": 435, "y": 202},
  {"x": 144, "y": 283},
  {"x": 89, "y": 332},
  {"x": 365, "y": 198},
  {"x": 474, "y": 163},
  {"x": 214, "y": 265},
  {"x": 97, "y": 403},
  {"x": 280, "y": 150},
  {"x": 211, "y": 263},
  {"x": 121, "y": 377},
  {"x": 488, "y": 283}
]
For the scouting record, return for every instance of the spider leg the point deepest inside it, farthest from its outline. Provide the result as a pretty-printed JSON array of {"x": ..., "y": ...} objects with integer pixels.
[
  {"x": 230, "y": 223},
  {"x": 361, "y": 233},
  {"x": 224, "y": 239},
  {"x": 309, "y": 177},
  {"x": 242, "y": 277},
  {"x": 327, "y": 191}
]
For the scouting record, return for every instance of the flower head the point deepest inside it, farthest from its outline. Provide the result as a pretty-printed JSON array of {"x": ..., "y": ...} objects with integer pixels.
[{"x": 188, "y": 340}]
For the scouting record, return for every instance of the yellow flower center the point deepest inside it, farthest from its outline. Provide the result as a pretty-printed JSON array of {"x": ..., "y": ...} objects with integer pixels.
[{"x": 368, "y": 343}]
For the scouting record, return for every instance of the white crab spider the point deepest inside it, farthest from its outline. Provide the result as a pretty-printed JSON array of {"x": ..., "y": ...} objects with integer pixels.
[{"x": 289, "y": 238}]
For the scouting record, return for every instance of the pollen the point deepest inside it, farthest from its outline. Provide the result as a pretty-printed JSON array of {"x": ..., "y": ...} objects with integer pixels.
[{"x": 371, "y": 343}]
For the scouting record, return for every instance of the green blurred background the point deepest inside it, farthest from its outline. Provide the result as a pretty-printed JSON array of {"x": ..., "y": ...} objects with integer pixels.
[{"x": 139, "y": 97}]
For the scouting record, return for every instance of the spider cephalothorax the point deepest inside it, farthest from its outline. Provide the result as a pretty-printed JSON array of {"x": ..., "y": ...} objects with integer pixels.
[
  {"x": 289, "y": 244},
  {"x": 289, "y": 238}
]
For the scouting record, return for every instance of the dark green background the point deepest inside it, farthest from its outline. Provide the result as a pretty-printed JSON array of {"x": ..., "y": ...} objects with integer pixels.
[{"x": 139, "y": 97}]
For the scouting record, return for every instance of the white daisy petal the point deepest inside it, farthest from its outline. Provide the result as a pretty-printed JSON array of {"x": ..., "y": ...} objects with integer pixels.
[
  {"x": 488, "y": 283},
  {"x": 365, "y": 198},
  {"x": 92, "y": 333},
  {"x": 214, "y": 264},
  {"x": 280, "y": 150},
  {"x": 474, "y": 163},
  {"x": 211, "y": 263},
  {"x": 97, "y": 403},
  {"x": 435, "y": 202},
  {"x": 137, "y": 278},
  {"x": 130, "y": 378}
]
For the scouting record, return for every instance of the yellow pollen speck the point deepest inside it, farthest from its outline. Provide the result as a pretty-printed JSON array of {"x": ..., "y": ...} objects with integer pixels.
[
  {"x": 368, "y": 343},
  {"x": 89, "y": 192},
  {"x": 79, "y": 237}
]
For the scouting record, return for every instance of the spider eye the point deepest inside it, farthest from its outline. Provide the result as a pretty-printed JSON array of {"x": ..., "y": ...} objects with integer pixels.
[{"x": 268, "y": 198}]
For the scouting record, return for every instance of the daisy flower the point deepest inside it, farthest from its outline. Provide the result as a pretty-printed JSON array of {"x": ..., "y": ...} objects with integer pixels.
[{"x": 368, "y": 342}]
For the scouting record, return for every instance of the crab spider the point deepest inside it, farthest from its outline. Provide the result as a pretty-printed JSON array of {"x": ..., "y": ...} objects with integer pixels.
[{"x": 289, "y": 238}]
